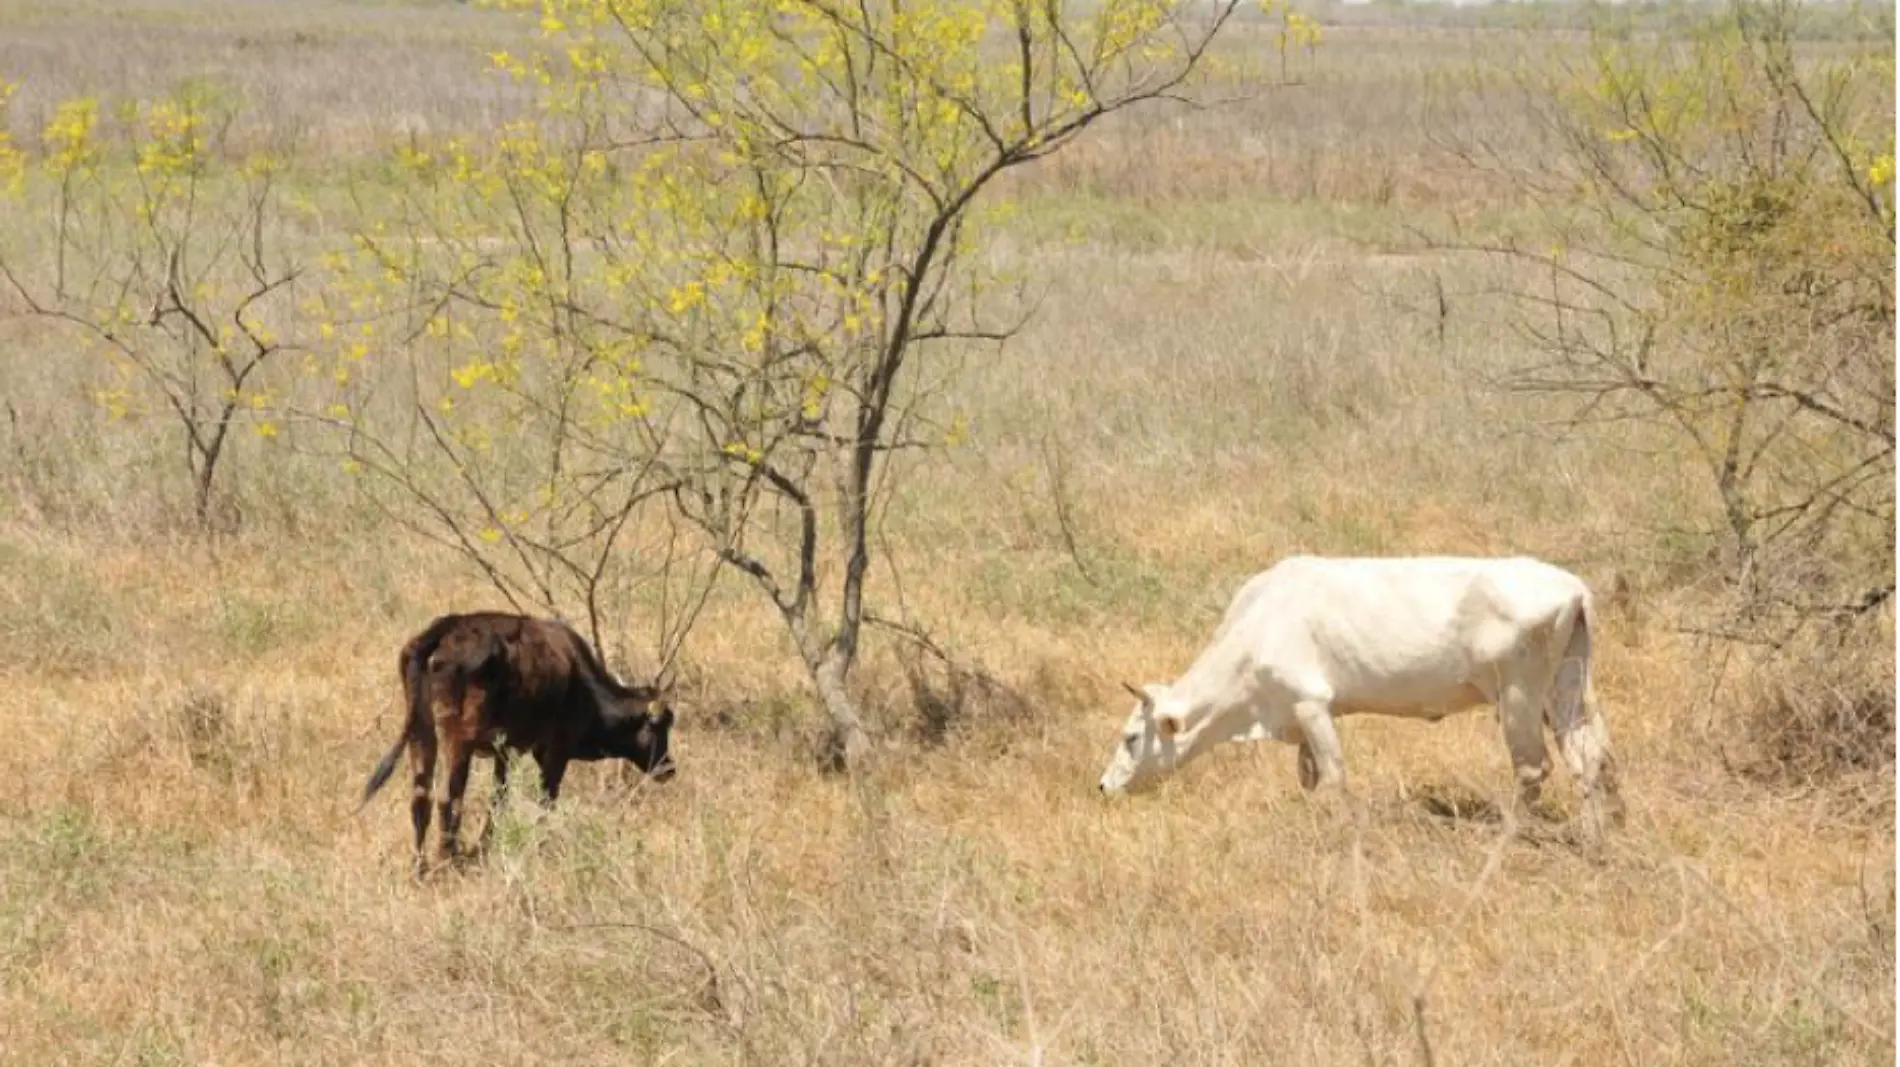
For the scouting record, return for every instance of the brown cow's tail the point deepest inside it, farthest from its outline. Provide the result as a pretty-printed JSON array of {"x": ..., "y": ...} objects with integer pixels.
[
  {"x": 380, "y": 776},
  {"x": 415, "y": 666}
]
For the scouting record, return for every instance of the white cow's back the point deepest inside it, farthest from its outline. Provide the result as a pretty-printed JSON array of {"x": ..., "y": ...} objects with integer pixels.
[{"x": 1381, "y": 631}]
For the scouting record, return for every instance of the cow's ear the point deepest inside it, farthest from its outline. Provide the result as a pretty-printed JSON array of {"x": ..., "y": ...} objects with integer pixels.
[{"x": 1167, "y": 726}]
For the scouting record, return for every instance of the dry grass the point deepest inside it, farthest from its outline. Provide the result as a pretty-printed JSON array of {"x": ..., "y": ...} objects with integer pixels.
[
  {"x": 339, "y": 77},
  {"x": 1235, "y": 359},
  {"x": 185, "y": 880}
]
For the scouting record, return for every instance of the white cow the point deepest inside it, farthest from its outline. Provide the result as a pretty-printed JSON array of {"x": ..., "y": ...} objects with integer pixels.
[{"x": 1313, "y": 638}]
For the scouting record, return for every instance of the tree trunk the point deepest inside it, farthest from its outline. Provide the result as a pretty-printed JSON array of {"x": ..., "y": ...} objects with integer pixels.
[
  {"x": 851, "y": 745},
  {"x": 201, "y": 496},
  {"x": 829, "y": 663},
  {"x": 206, "y": 453}
]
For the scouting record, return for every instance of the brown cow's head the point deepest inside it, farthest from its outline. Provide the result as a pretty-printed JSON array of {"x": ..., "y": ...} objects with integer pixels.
[{"x": 640, "y": 729}]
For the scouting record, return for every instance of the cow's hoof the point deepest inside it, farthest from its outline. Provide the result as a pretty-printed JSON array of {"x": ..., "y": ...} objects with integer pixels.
[
  {"x": 1598, "y": 817},
  {"x": 1309, "y": 768},
  {"x": 441, "y": 862}
]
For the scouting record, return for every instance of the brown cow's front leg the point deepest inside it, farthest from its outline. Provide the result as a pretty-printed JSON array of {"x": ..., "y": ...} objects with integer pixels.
[
  {"x": 421, "y": 752},
  {"x": 459, "y": 754},
  {"x": 501, "y": 796},
  {"x": 553, "y": 769}
]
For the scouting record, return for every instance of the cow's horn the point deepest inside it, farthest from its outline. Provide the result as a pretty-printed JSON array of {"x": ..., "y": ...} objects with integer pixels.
[{"x": 1138, "y": 694}]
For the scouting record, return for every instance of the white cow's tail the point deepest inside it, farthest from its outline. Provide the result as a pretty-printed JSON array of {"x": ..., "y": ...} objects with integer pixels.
[
  {"x": 1582, "y": 736},
  {"x": 1573, "y": 699}
]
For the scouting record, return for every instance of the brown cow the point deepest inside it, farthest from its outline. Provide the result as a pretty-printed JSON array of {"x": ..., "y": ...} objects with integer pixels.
[{"x": 476, "y": 683}]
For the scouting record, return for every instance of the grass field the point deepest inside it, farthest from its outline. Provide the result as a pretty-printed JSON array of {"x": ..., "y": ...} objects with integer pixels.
[{"x": 1239, "y": 354}]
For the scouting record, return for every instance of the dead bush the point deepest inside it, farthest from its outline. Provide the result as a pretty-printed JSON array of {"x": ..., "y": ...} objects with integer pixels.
[
  {"x": 1821, "y": 711},
  {"x": 949, "y": 696}
]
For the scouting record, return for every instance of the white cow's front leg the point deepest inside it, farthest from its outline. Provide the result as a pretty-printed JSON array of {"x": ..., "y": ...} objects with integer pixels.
[{"x": 1322, "y": 763}]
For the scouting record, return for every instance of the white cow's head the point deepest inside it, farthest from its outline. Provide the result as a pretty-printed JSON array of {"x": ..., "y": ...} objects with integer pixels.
[{"x": 1151, "y": 742}]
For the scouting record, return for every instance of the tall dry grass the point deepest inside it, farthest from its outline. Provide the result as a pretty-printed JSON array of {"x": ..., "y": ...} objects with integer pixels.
[{"x": 1238, "y": 355}]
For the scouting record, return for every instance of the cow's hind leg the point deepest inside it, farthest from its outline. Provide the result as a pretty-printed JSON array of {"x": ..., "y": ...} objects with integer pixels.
[
  {"x": 458, "y": 753},
  {"x": 421, "y": 753},
  {"x": 1522, "y": 716},
  {"x": 1586, "y": 751}
]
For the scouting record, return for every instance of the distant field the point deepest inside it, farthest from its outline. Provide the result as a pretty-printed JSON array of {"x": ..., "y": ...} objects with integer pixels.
[{"x": 1242, "y": 350}]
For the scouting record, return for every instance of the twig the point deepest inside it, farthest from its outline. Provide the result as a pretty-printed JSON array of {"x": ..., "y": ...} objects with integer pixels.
[
  {"x": 1809, "y": 980},
  {"x": 1642, "y": 961},
  {"x": 710, "y": 987},
  {"x": 1058, "y": 494}
]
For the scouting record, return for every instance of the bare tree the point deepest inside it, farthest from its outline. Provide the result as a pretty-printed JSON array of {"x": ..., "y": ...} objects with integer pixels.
[
  {"x": 168, "y": 255},
  {"x": 1717, "y": 263}
]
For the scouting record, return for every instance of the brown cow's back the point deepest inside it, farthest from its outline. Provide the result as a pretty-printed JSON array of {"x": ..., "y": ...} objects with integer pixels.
[{"x": 539, "y": 685}]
